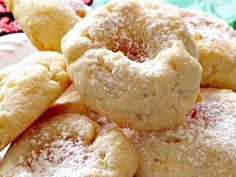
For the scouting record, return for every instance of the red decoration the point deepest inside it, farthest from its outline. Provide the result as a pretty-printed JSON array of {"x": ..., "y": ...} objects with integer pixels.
[
  {"x": 3, "y": 8},
  {"x": 88, "y": 2},
  {"x": 8, "y": 26},
  {"x": 7, "y": 22}
]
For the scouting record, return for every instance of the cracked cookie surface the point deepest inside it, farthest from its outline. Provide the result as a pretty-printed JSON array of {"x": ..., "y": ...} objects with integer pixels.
[
  {"x": 135, "y": 64},
  {"x": 27, "y": 90}
]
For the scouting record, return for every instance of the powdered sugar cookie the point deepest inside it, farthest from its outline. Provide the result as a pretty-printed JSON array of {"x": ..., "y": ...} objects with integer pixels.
[
  {"x": 203, "y": 146},
  {"x": 27, "y": 90},
  {"x": 45, "y": 22},
  {"x": 70, "y": 145},
  {"x": 217, "y": 49},
  {"x": 215, "y": 39},
  {"x": 134, "y": 63}
]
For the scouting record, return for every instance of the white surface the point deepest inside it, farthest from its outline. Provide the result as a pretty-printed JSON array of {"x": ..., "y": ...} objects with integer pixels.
[{"x": 13, "y": 48}]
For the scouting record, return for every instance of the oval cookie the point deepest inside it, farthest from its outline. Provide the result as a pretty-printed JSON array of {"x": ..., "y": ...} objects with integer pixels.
[{"x": 27, "y": 90}]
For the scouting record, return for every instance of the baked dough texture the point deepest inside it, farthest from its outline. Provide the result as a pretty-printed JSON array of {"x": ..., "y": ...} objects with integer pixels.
[
  {"x": 131, "y": 61},
  {"x": 70, "y": 145},
  {"x": 217, "y": 49},
  {"x": 203, "y": 146},
  {"x": 69, "y": 102},
  {"x": 46, "y": 21},
  {"x": 215, "y": 39},
  {"x": 27, "y": 90}
]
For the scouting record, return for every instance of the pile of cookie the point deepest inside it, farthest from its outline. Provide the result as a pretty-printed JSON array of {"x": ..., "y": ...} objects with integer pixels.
[{"x": 132, "y": 89}]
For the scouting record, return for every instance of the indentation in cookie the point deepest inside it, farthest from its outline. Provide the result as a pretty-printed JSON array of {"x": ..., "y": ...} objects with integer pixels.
[
  {"x": 56, "y": 154},
  {"x": 105, "y": 52},
  {"x": 70, "y": 145},
  {"x": 133, "y": 49}
]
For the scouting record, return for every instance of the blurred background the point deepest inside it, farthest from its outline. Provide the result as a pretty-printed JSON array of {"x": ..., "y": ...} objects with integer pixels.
[{"x": 225, "y": 9}]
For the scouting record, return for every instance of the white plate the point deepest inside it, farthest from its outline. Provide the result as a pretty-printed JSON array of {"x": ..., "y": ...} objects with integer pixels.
[{"x": 13, "y": 48}]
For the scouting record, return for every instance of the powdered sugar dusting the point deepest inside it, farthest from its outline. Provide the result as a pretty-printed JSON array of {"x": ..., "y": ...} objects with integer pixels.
[
  {"x": 216, "y": 116},
  {"x": 206, "y": 27},
  {"x": 120, "y": 33},
  {"x": 70, "y": 145},
  {"x": 101, "y": 120},
  {"x": 62, "y": 158},
  {"x": 204, "y": 146},
  {"x": 135, "y": 29},
  {"x": 57, "y": 147},
  {"x": 203, "y": 26},
  {"x": 132, "y": 49}
]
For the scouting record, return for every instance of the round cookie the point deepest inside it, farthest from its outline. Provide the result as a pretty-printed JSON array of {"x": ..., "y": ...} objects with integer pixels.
[
  {"x": 46, "y": 21},
  {"x": 134, "y": 63},
  {"x": 215, "y": 39},
  {"x": 70, "y": 145},
  {"x": 27, "y": 90},
  {"x": 203, "y": 146}
]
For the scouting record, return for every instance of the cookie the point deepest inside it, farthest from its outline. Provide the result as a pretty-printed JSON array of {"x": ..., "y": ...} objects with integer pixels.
[
  {"x": 215, "y": 39},
  {"x": 134, "y": 63},
  {"x": 203, "y": 146},
  {"x": 27, "y": 90},
  {"x": 70, "y": 145},
  {"x": 45, "y": 22}
]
